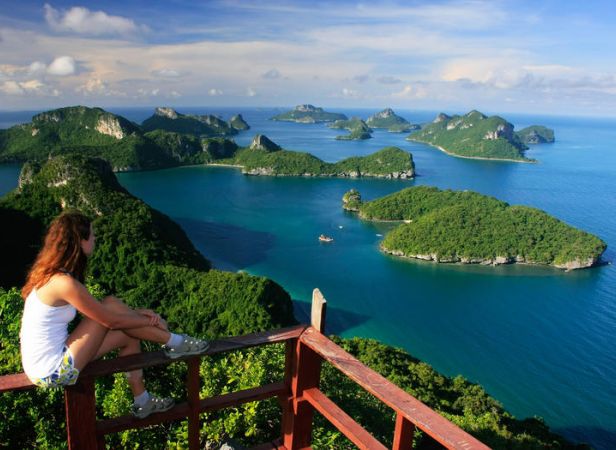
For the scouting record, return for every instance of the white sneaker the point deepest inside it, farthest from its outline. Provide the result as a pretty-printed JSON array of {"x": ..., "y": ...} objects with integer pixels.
[
  {"x": 153, "y": 405},
  {"x": 189, "y": 346}
]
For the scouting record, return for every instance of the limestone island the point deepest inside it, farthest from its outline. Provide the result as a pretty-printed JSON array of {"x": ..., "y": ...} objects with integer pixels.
[
  {"x": 390, "y": 120},
  {"x": 475, "y": 135},
  {"x": 207, "y": 125},
  {"x": 536, "y": 134},
  {"x": 264, "y": 157},
  {"x": 125, "y": 145},
  {"x": 308, "y": 114},
  {"x": 359, "y": 130},
  {"x": 470, "y": 228}
]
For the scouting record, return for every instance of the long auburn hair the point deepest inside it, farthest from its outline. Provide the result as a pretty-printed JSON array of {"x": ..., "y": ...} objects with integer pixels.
[{"x": 61, "y": 251}]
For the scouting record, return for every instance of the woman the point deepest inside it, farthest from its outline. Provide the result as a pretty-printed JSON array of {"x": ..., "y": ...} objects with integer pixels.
[{"x": 55, "y": 290}]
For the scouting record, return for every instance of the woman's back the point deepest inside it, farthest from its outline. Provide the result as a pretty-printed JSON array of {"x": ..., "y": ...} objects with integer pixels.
[{"x": 44, "y": 330}]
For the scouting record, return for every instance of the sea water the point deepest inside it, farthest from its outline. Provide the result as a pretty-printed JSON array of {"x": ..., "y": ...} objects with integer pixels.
[{"x": 540, "y": 340}]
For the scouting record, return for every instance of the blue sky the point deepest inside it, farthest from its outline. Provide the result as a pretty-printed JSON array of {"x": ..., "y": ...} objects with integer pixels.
[{"x": 553, "y": 57}]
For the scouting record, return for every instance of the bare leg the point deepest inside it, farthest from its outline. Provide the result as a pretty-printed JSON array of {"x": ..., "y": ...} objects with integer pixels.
[
  {"x": 128, "y": 346},
  {"x": 85, "y": 341},
  {"x": 149, "y": 333}
]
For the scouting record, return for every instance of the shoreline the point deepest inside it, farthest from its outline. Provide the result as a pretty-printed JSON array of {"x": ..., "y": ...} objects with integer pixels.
[
  {"x": 472, "y": 157},
  {"x": 474, "y": 262}
]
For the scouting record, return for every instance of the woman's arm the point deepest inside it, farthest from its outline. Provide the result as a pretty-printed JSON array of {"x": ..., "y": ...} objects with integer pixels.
[{"x": 77, "y": 295}]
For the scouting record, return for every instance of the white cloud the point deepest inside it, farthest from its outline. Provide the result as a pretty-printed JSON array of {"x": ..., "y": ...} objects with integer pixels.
[
  {"x": 350, "y": 93},
  {"x": 81, "y": 20},
  {"x": 167, "y": 73},
  {"x": 271, "y": 74},
  {"x": 174, "y": 94},
  {"x": 37, "y": 68},
  {"x": 250, "y": 92},
  {"x": 141, "y": 92},
  {"x": 94, "y": 86},
  {"x": 62, "y": 66},
  {"x": 33, "y": 87},
  {"x": 214, "y": 92},
  {"x": 11, "y": 88},
  {"x": 409, "y": 91}
]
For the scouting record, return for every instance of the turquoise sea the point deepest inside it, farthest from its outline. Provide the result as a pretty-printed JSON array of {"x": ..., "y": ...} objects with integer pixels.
[{"x": 541, "y": 341}]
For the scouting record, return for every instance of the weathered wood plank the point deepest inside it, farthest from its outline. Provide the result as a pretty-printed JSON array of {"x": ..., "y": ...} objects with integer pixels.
[
  {"x": 192, "y": 394},
  {"x": 306, "y": 372},
  {"x": 144, "y": 360},
  {"x": 80, "y": 406},
  {"x": 342, "y": 421},
  {"x": 403, "y": 433},
  {"x": 15, "y": 382},
  {"x": 318, "y": 311},
  {"x": 240, "y": 397},
  {"x": 428, "y": 420},
  {"x": 19, "y": 381},
  {"x": 182, "y": 410}
]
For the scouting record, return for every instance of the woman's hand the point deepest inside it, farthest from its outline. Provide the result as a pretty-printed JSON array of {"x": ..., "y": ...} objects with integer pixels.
[{"x": 155, "y": 319}]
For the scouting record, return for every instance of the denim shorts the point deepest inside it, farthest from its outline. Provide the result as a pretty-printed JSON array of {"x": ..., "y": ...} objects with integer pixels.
[{"x": 65, "y": 374}]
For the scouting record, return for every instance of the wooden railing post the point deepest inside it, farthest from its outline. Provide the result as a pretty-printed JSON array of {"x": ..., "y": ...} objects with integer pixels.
[
  {"x": 403, "y": 434},
  {"x": 192, "y": 388},
  {"x": 305, "y": 372},
  {"x": 80, "y": 405},
  {"x": 318, "y": 310}
]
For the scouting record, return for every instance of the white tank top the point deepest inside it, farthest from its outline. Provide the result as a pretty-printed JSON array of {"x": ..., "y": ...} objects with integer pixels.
[{"x": 44, "y": 331}]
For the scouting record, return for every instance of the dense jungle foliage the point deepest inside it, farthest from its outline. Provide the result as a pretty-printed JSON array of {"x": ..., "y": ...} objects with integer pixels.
[{"x": 463, "y": 225}]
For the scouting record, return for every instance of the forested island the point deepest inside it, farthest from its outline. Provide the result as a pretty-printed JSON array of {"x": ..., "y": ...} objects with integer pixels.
[
  {"x": 359, "y": 130},
  {"x": 207, "y": 125},
  {"x": 308, "y": 114},
  {"x": 390, "y": 120},
  {"x": 124, "y": 144},
  {"x": 146, "y": 258},
  {"x": 263, "y": 157},
  {"x": 466, "y": 227},
  {"x": 475, "y": 135}
]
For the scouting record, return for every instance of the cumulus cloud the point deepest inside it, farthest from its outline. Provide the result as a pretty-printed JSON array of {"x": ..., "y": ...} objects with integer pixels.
[
  {"x": 96, "y": 87},
  {"x": 250, "y": 92},
  {"x": 388, "y": 80},
  {"x": 350, "y": 93},
  {"x": 81, "y": 20},
  {"x": 271, "y": 74},
  {"x": 141, "y": 92},
  {"x": 214, "y": 92},
  {"x": 174, "y": 94},
  {"x": 11, "y": 88},
  {"x": 34, "y": 87},
  {"x": 410, "y": 91},
  {"x": 62, "y": 66},
  {"x": 37, "y": 68},
  {"x": 167, "y": 73}
]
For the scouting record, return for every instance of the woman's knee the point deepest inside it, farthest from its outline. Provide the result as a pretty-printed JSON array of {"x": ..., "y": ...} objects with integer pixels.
[
  {"x": 111, "y": 300},
  {"x": 114, "y": 303}
]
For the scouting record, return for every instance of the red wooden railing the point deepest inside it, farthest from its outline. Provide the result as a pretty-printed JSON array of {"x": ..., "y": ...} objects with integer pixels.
[{"x": 298, "y": 394}]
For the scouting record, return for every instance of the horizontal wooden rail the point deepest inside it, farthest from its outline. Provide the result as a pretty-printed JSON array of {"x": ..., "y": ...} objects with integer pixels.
[
  {"x": 180, "y": 411},
  {"x": 20, "y": 381},
  {"x": 298, "y": 393},
  {"x": 422, "y": 416},
  {"x": 342, "y": 421}
]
